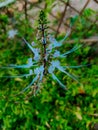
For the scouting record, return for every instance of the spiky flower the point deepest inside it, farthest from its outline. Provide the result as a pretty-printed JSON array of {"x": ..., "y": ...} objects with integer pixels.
[{"x": 46, "y": 58}]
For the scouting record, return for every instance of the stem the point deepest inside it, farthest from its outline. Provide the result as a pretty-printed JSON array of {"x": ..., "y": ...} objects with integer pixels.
[
  {"x": 62, "y": 17},
  {"x": 44, "y": 51},
  {"x": 44, "y": 60},
  {"x": 89, "y": 40},
  {"x": 25, "y": 10}
]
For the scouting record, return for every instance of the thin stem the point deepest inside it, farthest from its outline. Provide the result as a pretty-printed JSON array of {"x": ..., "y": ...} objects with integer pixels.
[
  {"x": 61, "y": 21},
  {"x": 89, "y": 40},
  {"x": 26, "y": 16},
  {"x": 44, "y": 60},
  {"x": 96, "y": 1},
  {"x": 25, "y": 10},
  {"x": 44, "y": 47}
]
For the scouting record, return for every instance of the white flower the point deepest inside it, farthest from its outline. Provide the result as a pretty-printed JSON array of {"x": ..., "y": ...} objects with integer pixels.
[{"x": 12, "y": 33}]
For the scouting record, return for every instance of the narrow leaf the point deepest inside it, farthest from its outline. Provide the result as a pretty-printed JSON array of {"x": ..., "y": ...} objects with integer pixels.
[{"x": 55, "y": 78}]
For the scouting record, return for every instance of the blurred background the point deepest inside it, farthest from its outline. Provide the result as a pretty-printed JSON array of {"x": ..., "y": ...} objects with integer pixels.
[{"x": 52, "y": 108}]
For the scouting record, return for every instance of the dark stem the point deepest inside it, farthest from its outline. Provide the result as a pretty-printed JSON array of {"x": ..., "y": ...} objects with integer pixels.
[
  {"x": 44, "y": 60},
  {"x": 25, "y": 10},
  {"x": 44, "y": 47},
  {"x": 62, "y": 17},
  {"x": 26, "y": 17}
]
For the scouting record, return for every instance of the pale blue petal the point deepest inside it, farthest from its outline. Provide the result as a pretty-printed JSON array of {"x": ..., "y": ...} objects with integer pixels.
[
  {"x": 30, "y": 73},
  {"x": 34, "y": 50},
  {"x": 41, "y": 72},
  {"x": 36, "y": 71},
  {"x": 36, "y": 54},
  {"x": 56, "y": 54},
  {"x": 51, "y": 69},
  {"x": 33, "y": 43},
  {"x": 53, "y": 43},
  {"x": 55, "y": 63}
]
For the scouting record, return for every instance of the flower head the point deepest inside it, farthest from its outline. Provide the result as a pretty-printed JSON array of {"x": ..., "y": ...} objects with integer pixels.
[{"x": 12, "y": 33}]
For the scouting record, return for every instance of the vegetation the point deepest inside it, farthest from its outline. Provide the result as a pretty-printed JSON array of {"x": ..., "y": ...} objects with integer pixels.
[{"x": 52, "y": 107}]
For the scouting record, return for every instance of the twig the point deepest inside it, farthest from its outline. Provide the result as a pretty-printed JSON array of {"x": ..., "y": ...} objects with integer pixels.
[
  {"x": 62, "y": 17},
  {"x": 96, "y": 1},
  {"x": 94, "y": 115},
  {"x": 25, "y": 10},
  {"x": 90, "y": 40},
  {"x": 84, "y": 7},
  {"x": 44, "y": 46}
]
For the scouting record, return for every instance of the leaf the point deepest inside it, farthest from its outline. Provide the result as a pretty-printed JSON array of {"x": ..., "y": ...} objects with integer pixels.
[
  {"x": 81, "y": 91},
  {"x": 18, "y": 79},
  {"x": 78, "y": 115},
  {"x": 73, "y": 20}
]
